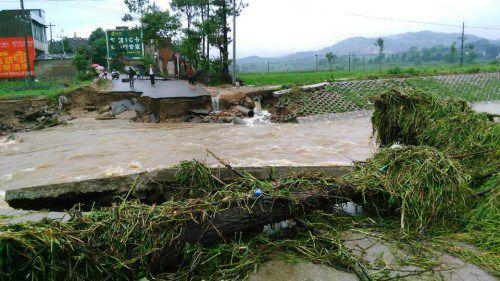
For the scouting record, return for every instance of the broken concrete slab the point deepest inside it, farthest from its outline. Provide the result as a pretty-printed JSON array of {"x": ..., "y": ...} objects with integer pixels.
[{"x": 149, "y": 187}]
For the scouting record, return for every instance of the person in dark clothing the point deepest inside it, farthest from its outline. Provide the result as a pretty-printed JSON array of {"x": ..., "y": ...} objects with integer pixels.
[
  {"x": 152, "y": 75},
  {"x": 191, "y": 75},
  {"x": 131, "y": 73}
]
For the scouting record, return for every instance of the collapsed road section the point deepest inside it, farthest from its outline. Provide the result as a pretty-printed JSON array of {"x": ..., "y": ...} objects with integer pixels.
[{"x": 148, "y": 187}]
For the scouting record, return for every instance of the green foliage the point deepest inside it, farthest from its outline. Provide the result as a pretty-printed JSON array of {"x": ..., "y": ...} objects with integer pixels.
[
  {"x": 147, "y": 60},
  {"x": 98, "y": 48},
  {"x": 137, "y": 8},
  {"x": 395, "y": 70},
  {"x": 85, "y": 70},
  {"x": 81, "y": 62},
  {"x": 65, "y": 46},
  {"x": 189, "y": 45},
  {"x": 96, "y": 35},
  {"x": 329, "y": 56},
  {"x": 158, "y": 25}
]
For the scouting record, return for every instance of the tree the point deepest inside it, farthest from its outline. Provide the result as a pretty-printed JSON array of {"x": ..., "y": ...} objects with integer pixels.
[
  {"x": 158, "y": 25},
  {"x": 137, "y": 9},
  {"x": 453, "y": 51},
  {"x": 56, "y": 47},
  {"x": 380, "y": 44},
  {"x": 96, "y": 35},
  {"x": 188, "y": 8},
  {"x": 471, "y": 54},
  {"x": 224, "y": 10},
  {"x": 329, "y": 56},
  {"x": 189, "y": 45},
  {"x": 98, "y": 49}
]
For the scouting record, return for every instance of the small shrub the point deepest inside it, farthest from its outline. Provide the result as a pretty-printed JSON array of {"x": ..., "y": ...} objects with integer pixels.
[
  {"x": 395, "y": 70},
  {"x": 473, "y": 70},
  {"x": 411, "y": 71}
]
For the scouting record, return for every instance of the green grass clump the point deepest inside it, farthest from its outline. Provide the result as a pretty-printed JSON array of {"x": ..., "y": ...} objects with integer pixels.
[
  {"x": 484, "y": 220},
  {"x": 195, "y": 179},
  {"x": 417, "y": 118},
  {"x": 421, "y": 185}
]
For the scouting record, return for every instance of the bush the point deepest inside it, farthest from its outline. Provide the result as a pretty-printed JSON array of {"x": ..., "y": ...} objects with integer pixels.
[
  {"x": 88, "y": 74},
  {"x": 395, "y": 70},
  {"x": 412, "y": 71},
  {"x": 81, "y": 62},
  {"x": 473, "y": 70}
]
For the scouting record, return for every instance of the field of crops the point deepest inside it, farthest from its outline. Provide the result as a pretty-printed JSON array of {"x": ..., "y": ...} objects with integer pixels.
[{"x": 311, "y": 77}]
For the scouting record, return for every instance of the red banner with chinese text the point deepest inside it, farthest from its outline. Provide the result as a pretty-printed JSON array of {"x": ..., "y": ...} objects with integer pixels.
[{"x": 13, "y": 57}]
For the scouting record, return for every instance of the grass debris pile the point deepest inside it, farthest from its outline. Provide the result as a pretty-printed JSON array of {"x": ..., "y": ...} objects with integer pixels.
[
  {"x": 417, "y": 118},
  {"x": 421, "y": 185}
]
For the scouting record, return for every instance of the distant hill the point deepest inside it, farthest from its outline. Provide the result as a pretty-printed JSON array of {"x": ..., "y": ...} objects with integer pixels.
[
  {"x": 397, "y": 43},
  {"x": 365, "y": 46}
]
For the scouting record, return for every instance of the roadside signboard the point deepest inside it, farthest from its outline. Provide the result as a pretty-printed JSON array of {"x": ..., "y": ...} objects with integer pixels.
[
  {"x": 126, "y": 41},
  {"x": 13, "y": 57}
]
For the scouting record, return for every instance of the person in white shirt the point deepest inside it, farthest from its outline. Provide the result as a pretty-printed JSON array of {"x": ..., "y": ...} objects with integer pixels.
[{"x": 152, "y": 75}]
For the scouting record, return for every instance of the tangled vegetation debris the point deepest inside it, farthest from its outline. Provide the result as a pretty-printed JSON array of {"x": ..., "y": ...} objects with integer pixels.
[
  {"x": 423, "y": 186},
  {"x": 441, "y": 183},
  {"x": 417, "y": 118}
]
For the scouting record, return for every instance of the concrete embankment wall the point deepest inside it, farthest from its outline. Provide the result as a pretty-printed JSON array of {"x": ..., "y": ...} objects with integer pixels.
[{"x": 149, "y": 187}]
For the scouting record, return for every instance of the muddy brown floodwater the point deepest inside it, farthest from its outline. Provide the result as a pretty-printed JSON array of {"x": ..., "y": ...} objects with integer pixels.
[{"x": 91, "y": 149}]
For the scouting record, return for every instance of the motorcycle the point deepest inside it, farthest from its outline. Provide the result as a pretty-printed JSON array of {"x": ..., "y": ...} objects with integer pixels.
[{"x": 115, "y": 74}]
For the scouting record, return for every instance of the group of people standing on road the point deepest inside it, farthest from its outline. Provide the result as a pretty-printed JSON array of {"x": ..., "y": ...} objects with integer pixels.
[{"x": 132, "y": 72}]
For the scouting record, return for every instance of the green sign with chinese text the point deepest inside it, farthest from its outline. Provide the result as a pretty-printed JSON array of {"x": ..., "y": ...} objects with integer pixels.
[{"x": 128, "y": 42}]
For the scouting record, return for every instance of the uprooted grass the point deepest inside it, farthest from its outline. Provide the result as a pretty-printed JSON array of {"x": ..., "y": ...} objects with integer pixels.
[
  {"x": 417, "y": 118},
  {"x": 483, "y": 221},
  {"x": 130, "y": 240},
  {"x": 421, "y": 185},
  {"x": 455, "y": 130}
]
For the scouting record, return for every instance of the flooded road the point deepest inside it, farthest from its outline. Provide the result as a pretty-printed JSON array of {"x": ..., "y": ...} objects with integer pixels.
[{"x": 91, "y": 149}]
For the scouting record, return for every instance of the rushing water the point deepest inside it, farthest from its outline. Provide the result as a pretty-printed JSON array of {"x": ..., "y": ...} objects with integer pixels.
[
  {"x": 90, "y": 149},
  {"x": 216, "y": 104}
]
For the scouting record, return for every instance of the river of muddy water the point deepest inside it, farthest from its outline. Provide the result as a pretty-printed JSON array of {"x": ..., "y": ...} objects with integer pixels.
[{"x": 88, "y": 148}]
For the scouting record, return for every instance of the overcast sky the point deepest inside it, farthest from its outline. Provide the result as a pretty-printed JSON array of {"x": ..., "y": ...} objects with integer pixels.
[{"x": 279, "y": 27}]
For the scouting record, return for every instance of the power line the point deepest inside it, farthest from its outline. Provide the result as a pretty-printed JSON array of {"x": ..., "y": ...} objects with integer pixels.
[{"x": 421, "y": 22}]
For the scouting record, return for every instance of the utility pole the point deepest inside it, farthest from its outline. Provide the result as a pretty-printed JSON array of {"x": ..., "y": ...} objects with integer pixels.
[
  {"x": 316, "y": 63},
  {"x": 363, "y": 62},
  {"x": 349, "y": 62},
  {"x": 74, "y": 38},
  {"x": 462, "y": 39},
  {"x": 50, "y": 25},
  {"x": 62, "y": 41},
  {"x": 267, "y": 67},
  {"x": 234, "y": 42},
  {"x": 27, "y": 50}
]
